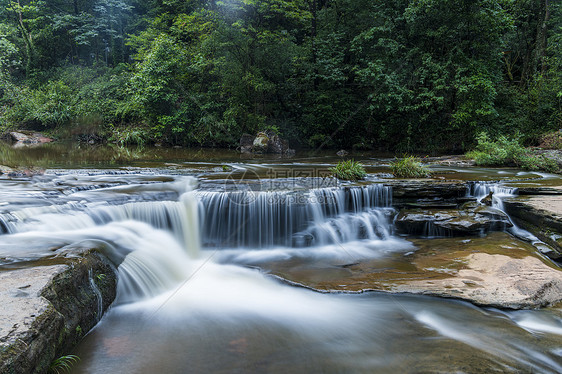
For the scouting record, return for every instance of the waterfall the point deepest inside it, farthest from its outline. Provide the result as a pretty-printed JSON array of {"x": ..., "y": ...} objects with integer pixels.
[
  {"x": 480, "y": 190},
  {"x": 294, "y": 218},
  {"x": 179, "y": 217}
]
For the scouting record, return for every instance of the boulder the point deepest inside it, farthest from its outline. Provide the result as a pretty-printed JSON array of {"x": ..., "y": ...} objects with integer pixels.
[
  {"x": 265, "y": 142},
  {"x": 342, "y": 153},
  {"x": 246, "y": 143},
  {"x": 27, "y": 139},
  {"x": 277, "y": 145}
]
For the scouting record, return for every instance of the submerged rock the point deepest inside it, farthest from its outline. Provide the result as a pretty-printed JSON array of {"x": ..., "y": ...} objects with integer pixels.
[{"x": 497, "y": 280}]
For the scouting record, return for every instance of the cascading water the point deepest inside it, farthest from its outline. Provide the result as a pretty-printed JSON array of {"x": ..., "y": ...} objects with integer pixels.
[
  {"x": 295, "y": 218},
  {"x": 480, "y": 190},
  {"x": 179, "y": 309}
]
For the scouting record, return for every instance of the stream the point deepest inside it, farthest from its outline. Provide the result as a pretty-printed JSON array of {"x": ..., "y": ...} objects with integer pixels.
[{"x": 201, "y": 257}]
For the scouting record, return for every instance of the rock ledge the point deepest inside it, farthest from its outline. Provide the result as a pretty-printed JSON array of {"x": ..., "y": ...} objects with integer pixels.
[{"x": 46, "y": 310}]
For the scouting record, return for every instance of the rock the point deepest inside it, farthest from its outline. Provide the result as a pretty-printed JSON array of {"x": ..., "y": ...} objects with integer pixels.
[
  {"x": 260, "y": 144},
  {"x": 497, "y": 270},
  {"x": 5, "y": 169},
  {"x": 342, "y": 153},
  {"x": 265, "y": 142},
  {"x": 488, "y": 200},
  {"x": 21, "y": 173},
  {"x": 499, "y": 281},
  {"x": 19, "y": 137},
  {"x": 27, "y": 139},
  {"x": 246, "y": 143},
  {"x": 414, "y": 190},
  {"x": 430, "y": 222},
  {"x": 277, "y": 145},
  {"x": 46, "y": 310},
  {"x": 542, "y": 216}
]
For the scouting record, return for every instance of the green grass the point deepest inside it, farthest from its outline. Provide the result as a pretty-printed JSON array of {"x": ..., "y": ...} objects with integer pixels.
[
  {"x": 349, "y": 170},
  {"x": 409, "y": 167}
]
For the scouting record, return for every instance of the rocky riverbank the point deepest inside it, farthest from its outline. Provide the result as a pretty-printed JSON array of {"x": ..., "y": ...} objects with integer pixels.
[{"x": 47, "y": 309}]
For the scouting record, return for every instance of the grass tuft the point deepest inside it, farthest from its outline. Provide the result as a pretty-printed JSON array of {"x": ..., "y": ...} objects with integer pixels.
[
  {"x": 349, "y": 170},
  {"x": 409, "y": 167}
]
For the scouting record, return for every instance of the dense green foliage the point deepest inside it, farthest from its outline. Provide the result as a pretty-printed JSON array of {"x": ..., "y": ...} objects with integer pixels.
[
  {"x": 349, "y": 170},
  {"x": 409, "y": 167},
  {"x": 505, "y": 151},
  {"x": 395, "y": 74}
]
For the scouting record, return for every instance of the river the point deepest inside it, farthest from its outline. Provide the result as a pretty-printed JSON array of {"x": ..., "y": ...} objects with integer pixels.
[{"x": 197, "y": 250}]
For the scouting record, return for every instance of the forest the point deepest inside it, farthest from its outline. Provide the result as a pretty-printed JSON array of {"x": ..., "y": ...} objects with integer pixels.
[{"x": 399, "y": 75}]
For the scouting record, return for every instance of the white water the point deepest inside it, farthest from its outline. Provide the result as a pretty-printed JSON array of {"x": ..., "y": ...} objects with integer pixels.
[
  {"x": 178, "y": 309},
  {"x": 499, "y": 192},
  {"x": 295, "y": 219}
]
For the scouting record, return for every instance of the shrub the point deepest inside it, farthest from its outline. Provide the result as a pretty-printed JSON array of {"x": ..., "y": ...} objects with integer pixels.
[
  {"x": 409, "y": 167},
  {"x": 503, "y": 151},
  {"x": 509, "y": 152},
  {"x": 349, "y": 170}
]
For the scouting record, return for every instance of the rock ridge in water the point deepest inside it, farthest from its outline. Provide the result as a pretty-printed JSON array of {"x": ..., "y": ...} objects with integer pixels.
[
  {"x": 497, "y": 270},
  {"x": 47, "y": 310}
]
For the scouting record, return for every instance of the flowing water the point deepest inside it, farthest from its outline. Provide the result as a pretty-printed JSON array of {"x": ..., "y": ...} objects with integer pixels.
[{"x": 192, "y": 298}]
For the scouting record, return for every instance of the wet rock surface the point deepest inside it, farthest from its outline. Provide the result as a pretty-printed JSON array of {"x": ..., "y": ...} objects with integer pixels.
[
  {"x": 46, "y": 310},
  {"x": 474, "y": 219},
  {"x": 409, "y": 191},
  {"x": 542, "y": 216},
  {"x": 497, "y": 270}
]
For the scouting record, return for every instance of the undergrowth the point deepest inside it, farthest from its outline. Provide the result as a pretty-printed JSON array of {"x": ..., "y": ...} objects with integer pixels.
[{"x": 509, "y": 152}]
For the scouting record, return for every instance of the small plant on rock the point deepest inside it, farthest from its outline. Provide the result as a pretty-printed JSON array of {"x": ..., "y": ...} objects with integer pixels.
[
  {"x": 409, "y": 167},
  {"x": 63, "y": 364},
  {"x": 350, "y": 170}
]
